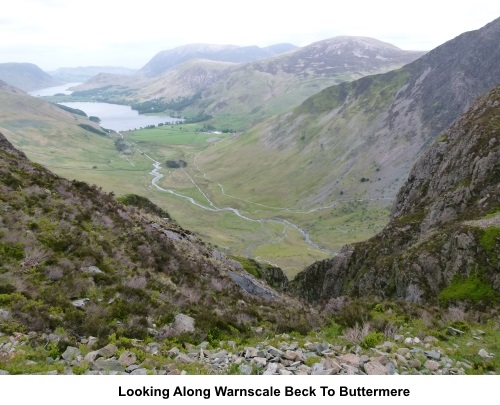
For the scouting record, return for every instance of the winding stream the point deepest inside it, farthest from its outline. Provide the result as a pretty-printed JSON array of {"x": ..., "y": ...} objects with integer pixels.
[{"x": 157, "y": 176}]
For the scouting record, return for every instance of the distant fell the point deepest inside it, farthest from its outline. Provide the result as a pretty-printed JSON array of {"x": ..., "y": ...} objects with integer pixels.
[
  {"x": 168, "y": 59},
  {"x": 26, "y": 76},
  {"x": 84, "y": 73}
]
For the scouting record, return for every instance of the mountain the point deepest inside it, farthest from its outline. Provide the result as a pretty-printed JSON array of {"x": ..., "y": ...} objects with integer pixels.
[
  {"x": 73, "y": 257},
  {"x": 443, "y": 238},
  {"x": 26, "y": 76},
  {"x": 277, "y": 84},
  {"x": 185, "y": 80},
  {"x": 84, "y": 73},
  {"x": 166, "y": 60},
  {"x": 254, "y": 90},
  {"x": 359, "y": 139}
]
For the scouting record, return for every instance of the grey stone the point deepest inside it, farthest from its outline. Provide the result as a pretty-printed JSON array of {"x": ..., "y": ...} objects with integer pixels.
[
  {"x": 153, "y": 348},
  {"x": 431, "y": 365},
  {"x": 317, "y": 369},
  {"x": 92, "y": 270},
  {"x": 332, "y": 366},
  {"x": 139, "y": 371},
  {"x": 430, "y": 339},
  {"x": 219, "y": 355},
  {"x": 108, "y": 350},
  {"x": 182, "y": 324},
  {"x": 174, "y": 351},
  {"x": 91, "y": 341},
  {"x": 375, "y": 368},
  {"x": 251, "y": 352},
  {"x": 322, "y": 347},
  {"x": 274, "y": 352},
  {"x": 132, "y": 367},
  {"x": 484, "y": 354},
  {"x": 4, "y": 372},
  {"x": 432, "y": 354},
  {"x": 91, "y": 356},
  {"x": 271, "y": 369},
  {"x": 127, "y": 358},
  {"x": 350, "y": 359},
  {"x": 80, "y": 303},
  {"x": 391, "y": 368},
  {"x": 107, "y": 364},
  {"x": 261, "y": 361},
  {"x": 245, "y": 369},
  {"x": 4, "y": 314},
  {"x": 283, "y": 371},
  {"x": 454, "y": 331},
  {"x": 71, "y": 353},
  {"x": 415, "y": 363},
  {"x": 388, "y": 345},
  {"x": 290, "y": 355},
  {"x": 184, "y": 358}
]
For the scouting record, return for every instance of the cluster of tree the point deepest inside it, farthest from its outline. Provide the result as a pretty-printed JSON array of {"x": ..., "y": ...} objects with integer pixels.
[
  {"x": 90, "y": 128},
  {"x": 71, "y": 110},
  {"x": 175, "y": 164},
  {"x": 198, "y": 118},
  {"x": 160, "y": 105}
]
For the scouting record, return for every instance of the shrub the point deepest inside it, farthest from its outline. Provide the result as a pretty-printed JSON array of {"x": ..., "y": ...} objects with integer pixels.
[
  {"x": 472, "y": 288},
  {"x": 372, "y": 340}
]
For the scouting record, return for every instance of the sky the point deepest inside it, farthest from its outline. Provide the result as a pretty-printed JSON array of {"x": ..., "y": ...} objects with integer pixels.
[{"x": 69, "y": 33}]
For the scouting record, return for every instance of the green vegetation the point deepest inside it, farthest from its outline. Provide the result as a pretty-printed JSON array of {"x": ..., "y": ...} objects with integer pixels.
[
  {"x": 144, "y": 203},
  {"x": 490, "y": 241},
  {"x": 71, "y": 110},
  {"x": 92, "y": 129},
  {"x": 472, "y": 288}
]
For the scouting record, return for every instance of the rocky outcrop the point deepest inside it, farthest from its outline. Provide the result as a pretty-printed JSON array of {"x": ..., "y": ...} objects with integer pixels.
[{"x": 432, "y": 246}]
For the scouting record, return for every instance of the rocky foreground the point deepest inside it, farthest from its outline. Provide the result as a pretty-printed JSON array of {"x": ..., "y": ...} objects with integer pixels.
[{"x": 279, "y": 355}]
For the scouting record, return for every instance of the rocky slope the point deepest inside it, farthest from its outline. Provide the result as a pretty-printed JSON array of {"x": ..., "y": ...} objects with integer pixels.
[
  {"x": 278, "y": 355},
  {"x": 73, "y": 257},
  {"x": 443, "y": 239},
  {"x": 26, "y": 76}
]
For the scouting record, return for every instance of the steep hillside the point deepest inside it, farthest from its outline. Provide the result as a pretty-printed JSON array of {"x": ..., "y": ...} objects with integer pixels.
[
  {"x": 443, "y": 239},
  {"x": 73, "y": 257},
  {"x": 166, "y": 60},
  {"x": 26, "y": 76},
  {"x": 54, "y": 136},
  {"x": 359, "y": 139}
]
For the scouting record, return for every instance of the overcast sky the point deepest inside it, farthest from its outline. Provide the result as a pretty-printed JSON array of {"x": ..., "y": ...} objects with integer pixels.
[{"x": 56, "y": 33}]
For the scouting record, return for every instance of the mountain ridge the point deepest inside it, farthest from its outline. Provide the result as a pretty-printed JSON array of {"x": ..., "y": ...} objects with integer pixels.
[{"x": 443, "y": 238}]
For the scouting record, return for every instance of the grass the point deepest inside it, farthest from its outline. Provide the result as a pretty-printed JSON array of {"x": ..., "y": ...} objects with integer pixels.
[{"x": 173, "y": 135}]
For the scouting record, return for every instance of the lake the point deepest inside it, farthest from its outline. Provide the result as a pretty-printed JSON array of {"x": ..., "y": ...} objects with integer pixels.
[
  {"x": 50, "y": 91},
  {"x": 119, "y": 117},
  {"x": 113, "y": 116}
]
